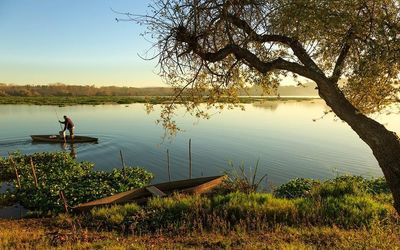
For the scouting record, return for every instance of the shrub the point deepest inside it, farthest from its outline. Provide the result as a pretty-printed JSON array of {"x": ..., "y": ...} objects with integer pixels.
[
  {"x": 298, "y": 187},
  {"x": 378, "y": 186},
  {"x": 341, "y": 185},
  {"x": 353, "y": 211}
]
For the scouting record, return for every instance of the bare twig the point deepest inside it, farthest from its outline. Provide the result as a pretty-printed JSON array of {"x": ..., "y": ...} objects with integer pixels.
[
  {"x": 34, "y": 173},
  {"x": 16, "y": 170}
]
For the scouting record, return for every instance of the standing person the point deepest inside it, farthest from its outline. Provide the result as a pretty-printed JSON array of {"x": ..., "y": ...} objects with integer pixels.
[{"x": 68, "y": 124}]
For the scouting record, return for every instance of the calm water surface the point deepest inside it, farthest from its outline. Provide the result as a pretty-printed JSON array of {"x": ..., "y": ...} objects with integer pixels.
[{"x": 282, "y": 135}]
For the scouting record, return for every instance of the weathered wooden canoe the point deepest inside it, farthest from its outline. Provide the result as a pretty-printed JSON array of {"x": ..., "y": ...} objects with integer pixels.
[
  {"x": 58, "y": 139},
  {"x": 140, "y": 195}
]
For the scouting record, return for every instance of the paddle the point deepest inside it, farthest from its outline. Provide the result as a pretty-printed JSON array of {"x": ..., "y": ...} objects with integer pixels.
[{"x": 65, "y": 141}]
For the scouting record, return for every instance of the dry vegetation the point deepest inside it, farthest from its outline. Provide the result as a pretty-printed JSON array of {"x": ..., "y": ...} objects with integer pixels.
[{"x": 42, "y": 234}]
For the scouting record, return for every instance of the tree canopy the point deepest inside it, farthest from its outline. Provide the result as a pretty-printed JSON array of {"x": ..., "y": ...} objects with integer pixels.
[
  {"x": 209, "y": 49},
  {"x": 220, "y": 46}
]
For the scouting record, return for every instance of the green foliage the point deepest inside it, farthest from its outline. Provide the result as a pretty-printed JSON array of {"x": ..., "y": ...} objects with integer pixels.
[
  {"x": 57, "y": 172},
  {"x": 98, "y": 184},
  {"x": 353, "y": 211},
  {"x": 295, "y": 188},
  {"x": 346, "y": 201},
  {"x": 7, "y": 199},
  {"x": 116, "y": 214},
  {"x": 378, "y": 186},
  {"x": 341, "y": 185},
  {"x": 235, "y": 207},
  {"x": 7, "y": 173},
  {"x": 174, "y": 211}
]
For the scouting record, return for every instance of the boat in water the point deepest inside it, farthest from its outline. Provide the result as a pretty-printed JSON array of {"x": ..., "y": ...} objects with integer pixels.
[
  {"x": 140, "y": 195},
  {"x": 60, "y": 139}
]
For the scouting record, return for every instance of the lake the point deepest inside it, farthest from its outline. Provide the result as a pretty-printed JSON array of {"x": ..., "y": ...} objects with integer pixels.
[{"x": 281, "y": 135}]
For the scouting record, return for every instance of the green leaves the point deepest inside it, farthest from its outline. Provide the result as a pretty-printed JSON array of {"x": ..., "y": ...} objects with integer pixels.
[
  {"x": 338, "y": 187},
  {"x": 57, "y": 172}
]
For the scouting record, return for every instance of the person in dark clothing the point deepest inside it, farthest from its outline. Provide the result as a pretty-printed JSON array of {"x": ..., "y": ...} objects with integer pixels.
[{"x": 68, "y": 124}]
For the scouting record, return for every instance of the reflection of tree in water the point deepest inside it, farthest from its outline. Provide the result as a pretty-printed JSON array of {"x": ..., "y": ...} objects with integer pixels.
[
  {"x": 69, "y": 147},
  {"x": 266, "y": 105},
  {"x": 273, "y": 105}
]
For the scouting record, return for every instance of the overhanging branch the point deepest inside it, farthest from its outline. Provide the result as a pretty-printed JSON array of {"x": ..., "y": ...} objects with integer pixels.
[{"x": 240, "y": 53}]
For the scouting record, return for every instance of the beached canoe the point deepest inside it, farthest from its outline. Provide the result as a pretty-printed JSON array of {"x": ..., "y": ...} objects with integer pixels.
[
  {"x": 140, "y": 195},
  {"x": 58, "y": 139}
]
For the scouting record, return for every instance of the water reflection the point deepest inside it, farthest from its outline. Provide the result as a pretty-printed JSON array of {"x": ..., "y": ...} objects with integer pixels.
[
  {"x": 270, "y": 105},
  {"x": 281, "y": 134},
  {"x": 69, "y": 147}
]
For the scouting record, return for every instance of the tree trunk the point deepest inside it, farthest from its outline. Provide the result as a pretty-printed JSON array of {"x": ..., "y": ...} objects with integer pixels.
[{"x": 385, "y": 144}]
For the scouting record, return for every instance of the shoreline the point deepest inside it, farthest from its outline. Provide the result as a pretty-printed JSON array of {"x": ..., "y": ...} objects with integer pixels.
[{"x": 101, "y": 100}]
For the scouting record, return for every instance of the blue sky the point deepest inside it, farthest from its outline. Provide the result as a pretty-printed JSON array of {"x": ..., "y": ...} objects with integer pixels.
[{"x": 73, "y": 42}]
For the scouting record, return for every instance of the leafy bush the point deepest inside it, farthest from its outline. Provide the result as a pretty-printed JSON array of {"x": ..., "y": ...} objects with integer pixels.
[
  {"x": 7, "y": 172},
  {"x": 353, "y": 211},
  {"x": 378, "y": 186},
  {"x": 57, "y": 172},
  {"x": 6, "y": 199},
  {"x": 339, "y": 186},
  {"x": 298, "y": 187}
]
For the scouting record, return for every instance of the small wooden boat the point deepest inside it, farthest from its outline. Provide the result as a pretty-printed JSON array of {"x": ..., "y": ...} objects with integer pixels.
[
  {"x": 140, "y": 195},
  {"x": 59, "y": 139}
]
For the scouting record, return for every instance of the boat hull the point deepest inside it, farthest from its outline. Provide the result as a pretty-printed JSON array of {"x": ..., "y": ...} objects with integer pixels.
[
  {"x": 58, "y": 139},
  {"x": 140, "y": 195}
]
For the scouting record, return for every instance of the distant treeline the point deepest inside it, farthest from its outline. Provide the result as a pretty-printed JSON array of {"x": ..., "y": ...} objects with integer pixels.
[
  {"x": 91, "y": 90},
  {"x": 79, "y": 90}
]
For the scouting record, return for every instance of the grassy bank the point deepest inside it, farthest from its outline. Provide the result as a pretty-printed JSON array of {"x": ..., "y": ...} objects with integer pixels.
[
  {"x": 42, "y": 234},
  {"x": 346, "y": 212},
  {"x": 98, "y": 100}
]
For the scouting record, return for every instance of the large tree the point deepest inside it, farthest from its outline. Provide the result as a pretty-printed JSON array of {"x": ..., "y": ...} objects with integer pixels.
[{"x": 210, "y": 49}]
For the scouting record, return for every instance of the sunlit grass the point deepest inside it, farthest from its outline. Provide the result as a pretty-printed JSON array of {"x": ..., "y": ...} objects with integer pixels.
[
  {"x": 39, "y": 234},
  {"x": 343, "y": 213}
]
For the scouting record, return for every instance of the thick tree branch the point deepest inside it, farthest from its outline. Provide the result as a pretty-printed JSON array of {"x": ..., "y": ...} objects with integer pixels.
[
  {"x": 250, "y": 58},
  {"x": 294, "y": 44},
  {"x": 337, "y": 71}
]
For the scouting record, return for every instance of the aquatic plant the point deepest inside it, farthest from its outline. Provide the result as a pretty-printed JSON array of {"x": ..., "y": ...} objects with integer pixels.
[{"x": 43, "y": 176}]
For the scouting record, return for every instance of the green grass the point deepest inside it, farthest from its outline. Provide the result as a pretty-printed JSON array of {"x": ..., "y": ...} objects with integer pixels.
[
  {"x": 248, "y": 212},
  {"x": 348, "y": 212}
]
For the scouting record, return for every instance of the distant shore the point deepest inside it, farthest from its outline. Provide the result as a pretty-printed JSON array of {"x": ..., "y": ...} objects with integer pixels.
[{"x": 100, "y": 100}]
